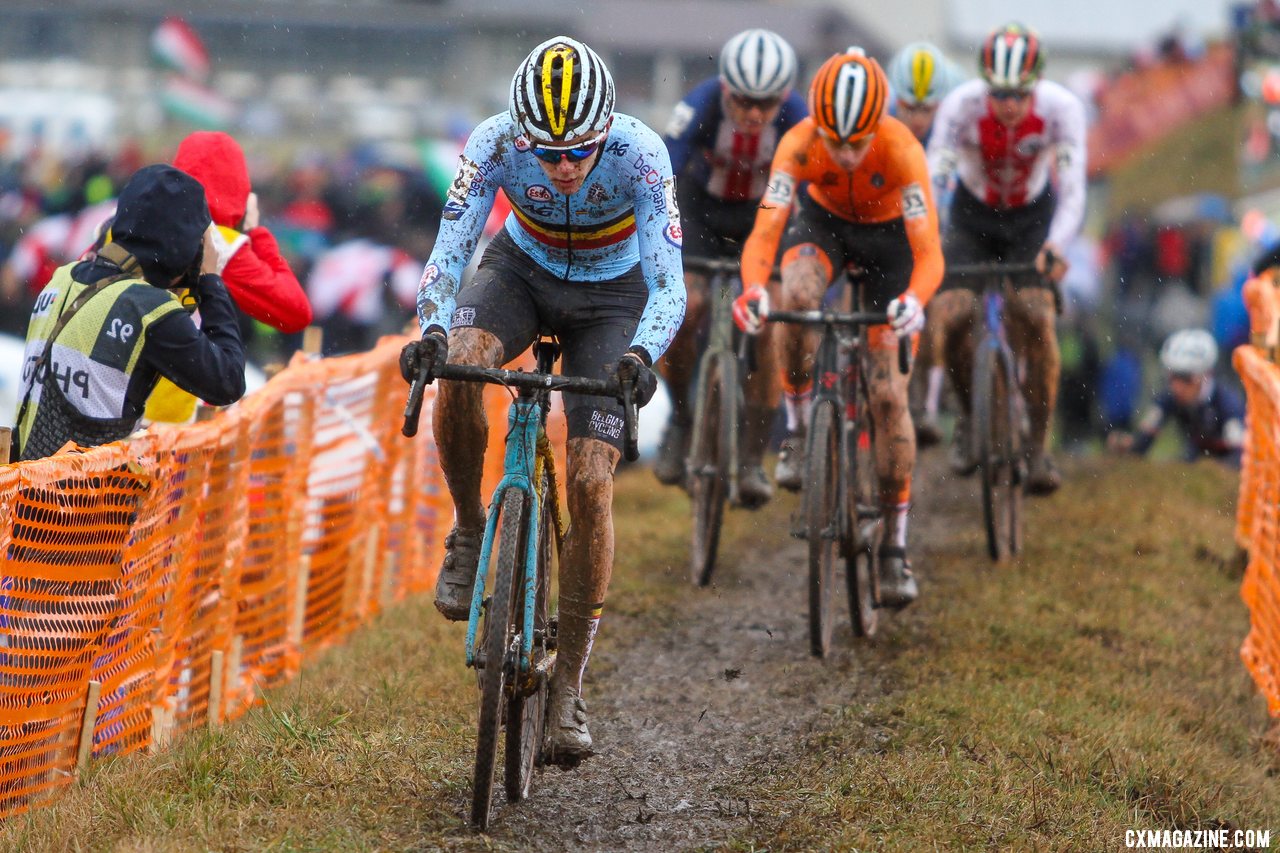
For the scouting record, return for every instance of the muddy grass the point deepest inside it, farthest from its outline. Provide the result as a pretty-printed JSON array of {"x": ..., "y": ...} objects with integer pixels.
[{"x": 1014, "y": 708}]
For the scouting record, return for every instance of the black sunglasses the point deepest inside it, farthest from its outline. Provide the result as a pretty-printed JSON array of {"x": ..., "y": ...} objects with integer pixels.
[
  {"x": 1009, "y": 94},
  {"x": 762, "y": 104},
  {"x": 575, "y": 155}
]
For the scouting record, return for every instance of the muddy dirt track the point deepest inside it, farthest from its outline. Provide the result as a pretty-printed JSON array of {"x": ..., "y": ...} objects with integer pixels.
[{"x": 690, "y": 702}]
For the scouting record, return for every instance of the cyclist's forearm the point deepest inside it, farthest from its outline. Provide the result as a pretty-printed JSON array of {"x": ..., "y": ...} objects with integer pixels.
[{"x": 662, "y": 317}]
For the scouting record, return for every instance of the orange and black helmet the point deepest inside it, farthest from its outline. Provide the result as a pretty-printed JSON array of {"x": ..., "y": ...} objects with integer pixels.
[
  {"x": 848, "y": 96},
  {"x": 1011, "y": 58}
]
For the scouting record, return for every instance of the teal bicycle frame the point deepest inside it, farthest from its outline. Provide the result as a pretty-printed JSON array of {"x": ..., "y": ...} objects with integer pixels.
[{"x": 525, "y": 426}]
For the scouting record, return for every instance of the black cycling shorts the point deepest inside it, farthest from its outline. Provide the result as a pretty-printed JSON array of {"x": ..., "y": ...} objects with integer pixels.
[
  {"x": 713, "y": 228},
  {"x": 513, "y": 298},
  {"x": 880, "y": 249},
  {"x": 980, "y": 233}
]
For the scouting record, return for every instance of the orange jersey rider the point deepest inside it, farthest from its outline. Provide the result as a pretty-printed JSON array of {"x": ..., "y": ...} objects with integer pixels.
[{"x": 868, "y": 203}]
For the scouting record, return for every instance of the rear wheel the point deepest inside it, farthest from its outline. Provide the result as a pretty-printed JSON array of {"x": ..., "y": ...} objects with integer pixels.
[
  {"x": 861, "y": 572},
  {"x": 527, "y": 705},
  {"x": 709, "y": 468},
  {"x": 998, "y": 437},
  {"x": 822, "y": 524},
  {"x": 497, "y": 634}
]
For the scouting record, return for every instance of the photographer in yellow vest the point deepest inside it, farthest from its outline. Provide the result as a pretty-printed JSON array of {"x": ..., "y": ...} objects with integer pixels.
[{"x": 103, "y": 331}]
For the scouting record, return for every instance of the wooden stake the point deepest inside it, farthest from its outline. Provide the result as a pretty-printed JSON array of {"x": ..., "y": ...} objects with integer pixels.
[
  {"x": 300, "y": 602},
  {"x": 87, "y": 724},
  {"x": 388, "y": 592},
  {"x": 233, "y": 670},
  {"x": 6, "y": 442},
  {"x": 216, "y": 673},
  {"x": 368, "y": 572},
  {"x": 312, "y": 340}
]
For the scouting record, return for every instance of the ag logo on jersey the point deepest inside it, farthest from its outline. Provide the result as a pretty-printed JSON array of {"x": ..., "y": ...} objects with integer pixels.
[
  {"x": 913, "y": 206},
  {"x": 538, "y": 192}
]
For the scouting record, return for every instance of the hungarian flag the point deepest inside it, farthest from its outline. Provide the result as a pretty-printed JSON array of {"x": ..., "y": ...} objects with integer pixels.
[
  {"x": 175, "y": 45},
  {"x": 197, "y": 104}
]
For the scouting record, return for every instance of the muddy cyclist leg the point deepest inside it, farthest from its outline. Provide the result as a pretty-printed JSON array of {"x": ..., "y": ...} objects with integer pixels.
[
  {"x": 678, "y": 367},
  {"x": 806, "y": 272},
  {"x": 955, "y": 312},
  {"x": 584, "y": 580},
  {"x": 461, "y": 434},
  {"x": 1034, "y": 338},
  {"x": 762, "y": 393},
  {"x": 895, "y": 461}
]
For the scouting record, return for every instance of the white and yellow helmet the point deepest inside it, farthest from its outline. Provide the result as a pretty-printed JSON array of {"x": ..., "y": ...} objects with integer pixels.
[
  {"x": 561, "y": 91},
  {"x": 920, "y": 75}
]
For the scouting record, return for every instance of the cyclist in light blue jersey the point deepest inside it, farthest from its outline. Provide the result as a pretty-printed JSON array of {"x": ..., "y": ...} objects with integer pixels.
[{"x": 589, "y": 253}]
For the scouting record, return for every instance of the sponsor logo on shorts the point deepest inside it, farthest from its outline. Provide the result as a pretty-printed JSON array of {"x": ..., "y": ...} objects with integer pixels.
[
  {"x": 913, "y": 206},
  {"x": 465, "y": 316},
  {"x": 538, "y": 192},
  {"x": 781, "y": 190},
  {"x": 430, "y": 275},
  {"x": 606, "y": 425}
]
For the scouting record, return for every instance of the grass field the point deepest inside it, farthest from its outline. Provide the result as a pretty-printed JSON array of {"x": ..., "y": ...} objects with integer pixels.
[{"x": 1092, "y": 687}]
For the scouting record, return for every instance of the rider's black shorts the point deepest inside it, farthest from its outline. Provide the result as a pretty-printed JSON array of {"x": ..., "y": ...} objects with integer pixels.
[
  {"x": 713, "y": 228},
  {"x": 512, "y": 297},
  {"x": 881, "y": 249},
  {"x": 981, "y": 234}
]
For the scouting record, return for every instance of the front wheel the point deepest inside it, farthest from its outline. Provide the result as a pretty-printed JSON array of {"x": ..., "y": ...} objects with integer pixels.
[
  {"x": 709, "y": 467},
  {"x": 861, "y": 568},
  {"x": 822, "y": 524},
  {"x": 500, "y": 631},
  {"x": 527, "y": 706},
  {"x": 998, "y": 435}
]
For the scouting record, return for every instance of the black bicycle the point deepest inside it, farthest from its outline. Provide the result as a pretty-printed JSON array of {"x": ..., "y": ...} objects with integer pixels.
[
  {"x": 1000, "y": 433},
  {"x": 840, "y": 513},
  {"x": 714, "y": 456},
  {"x": 514, "y": 653}
]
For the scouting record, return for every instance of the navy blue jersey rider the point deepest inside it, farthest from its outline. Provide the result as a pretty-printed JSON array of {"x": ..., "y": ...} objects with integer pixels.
[
  {"x": 721, "y": 138},
  {"x": 1209, "y": 414}
]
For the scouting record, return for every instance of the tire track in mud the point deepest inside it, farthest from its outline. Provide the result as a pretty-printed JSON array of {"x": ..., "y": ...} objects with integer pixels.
[{"x": 688, "y": 703}]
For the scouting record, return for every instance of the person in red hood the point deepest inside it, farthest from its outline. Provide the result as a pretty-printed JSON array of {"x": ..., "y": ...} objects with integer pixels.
[{"x": 258, "y": 278}]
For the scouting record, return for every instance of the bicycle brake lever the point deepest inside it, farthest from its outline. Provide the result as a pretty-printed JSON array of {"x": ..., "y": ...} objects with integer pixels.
[
  {"x": 413, "y": 406},
  {"x": 630, "y": 422}
]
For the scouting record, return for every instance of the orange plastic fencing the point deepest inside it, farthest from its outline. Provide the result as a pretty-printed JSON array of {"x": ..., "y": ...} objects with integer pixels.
[
  {"x": 189, "y": 568},
  {"x": 1258, "y": 520}
]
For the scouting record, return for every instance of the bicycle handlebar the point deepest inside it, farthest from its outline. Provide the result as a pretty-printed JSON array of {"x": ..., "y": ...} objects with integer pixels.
[
  {"x": 823, "y": 317},
  {"x": 994, "y": 268},
  {"x": 620, "y": 391},
  {"x": 711, "y": 266}
]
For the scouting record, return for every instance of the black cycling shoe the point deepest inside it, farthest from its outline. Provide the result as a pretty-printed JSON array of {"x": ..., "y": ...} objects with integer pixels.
[
  {"x": 1045, "y": 478},
  {"x": 897, "y": 584},
  {"x": 754, "y": 488}
]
